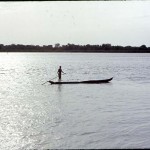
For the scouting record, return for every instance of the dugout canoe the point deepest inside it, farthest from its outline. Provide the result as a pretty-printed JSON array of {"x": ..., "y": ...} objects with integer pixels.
[{"x": 83, "y": 82}]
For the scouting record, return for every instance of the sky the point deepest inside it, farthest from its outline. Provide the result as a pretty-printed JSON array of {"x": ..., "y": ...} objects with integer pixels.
[{"x": 76, "y": 22}]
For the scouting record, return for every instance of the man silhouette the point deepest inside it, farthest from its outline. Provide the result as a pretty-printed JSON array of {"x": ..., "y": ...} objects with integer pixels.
[{"x": 59, "y": 72}]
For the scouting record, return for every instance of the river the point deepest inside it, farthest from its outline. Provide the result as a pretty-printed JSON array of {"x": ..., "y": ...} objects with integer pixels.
[{"x": 80, "y": 116}]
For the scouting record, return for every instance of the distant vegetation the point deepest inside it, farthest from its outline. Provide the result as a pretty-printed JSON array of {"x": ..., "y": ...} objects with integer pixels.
[{"x": 104, "y": 48}]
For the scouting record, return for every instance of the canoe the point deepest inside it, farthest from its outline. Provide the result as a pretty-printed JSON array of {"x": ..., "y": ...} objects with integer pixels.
[{"x": 83, "y": 82}]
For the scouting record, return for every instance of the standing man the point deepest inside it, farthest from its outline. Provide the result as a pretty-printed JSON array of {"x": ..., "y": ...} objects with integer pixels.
[{"x": 59, "y": 72}]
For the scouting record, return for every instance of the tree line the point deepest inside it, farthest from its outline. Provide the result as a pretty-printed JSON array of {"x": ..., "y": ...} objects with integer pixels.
[{"x": 104, "y": 48}]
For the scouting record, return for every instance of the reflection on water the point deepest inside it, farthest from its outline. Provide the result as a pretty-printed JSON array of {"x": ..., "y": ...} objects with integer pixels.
[
  {"x": 59, "y": 88},
  {"x": 113, "y": 115}
]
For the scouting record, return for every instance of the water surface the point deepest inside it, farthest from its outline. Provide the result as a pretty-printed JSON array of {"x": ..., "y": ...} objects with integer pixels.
[{"x": 113, "y": 115}]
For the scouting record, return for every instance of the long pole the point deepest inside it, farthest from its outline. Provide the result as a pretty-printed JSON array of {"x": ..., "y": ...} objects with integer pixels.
[
  {"x": 52, "y": 79},
  {"x": 45, "y": 82}
]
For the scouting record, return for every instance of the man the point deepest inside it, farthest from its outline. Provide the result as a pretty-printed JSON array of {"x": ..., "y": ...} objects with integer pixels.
[{"x": 59, "y": 72}]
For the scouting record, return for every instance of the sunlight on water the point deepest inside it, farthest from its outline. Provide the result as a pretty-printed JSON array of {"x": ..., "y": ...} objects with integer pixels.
[{"x": 113, "y": 115}]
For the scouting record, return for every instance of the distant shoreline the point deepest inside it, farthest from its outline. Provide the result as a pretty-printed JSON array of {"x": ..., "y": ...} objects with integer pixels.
[
  {"x": 62, "y": 52},
  {"x": 72, "y": 48}
]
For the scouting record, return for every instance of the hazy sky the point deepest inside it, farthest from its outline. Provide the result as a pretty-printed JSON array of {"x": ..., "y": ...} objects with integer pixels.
[{"x": 78, "y": 22}]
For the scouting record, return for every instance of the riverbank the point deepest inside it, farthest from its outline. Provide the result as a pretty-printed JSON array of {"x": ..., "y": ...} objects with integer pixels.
[{"x": 104, "y": 48}]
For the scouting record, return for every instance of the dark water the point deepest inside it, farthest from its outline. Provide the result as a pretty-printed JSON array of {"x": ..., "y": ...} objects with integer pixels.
[{"x": 113, "y": 115}]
